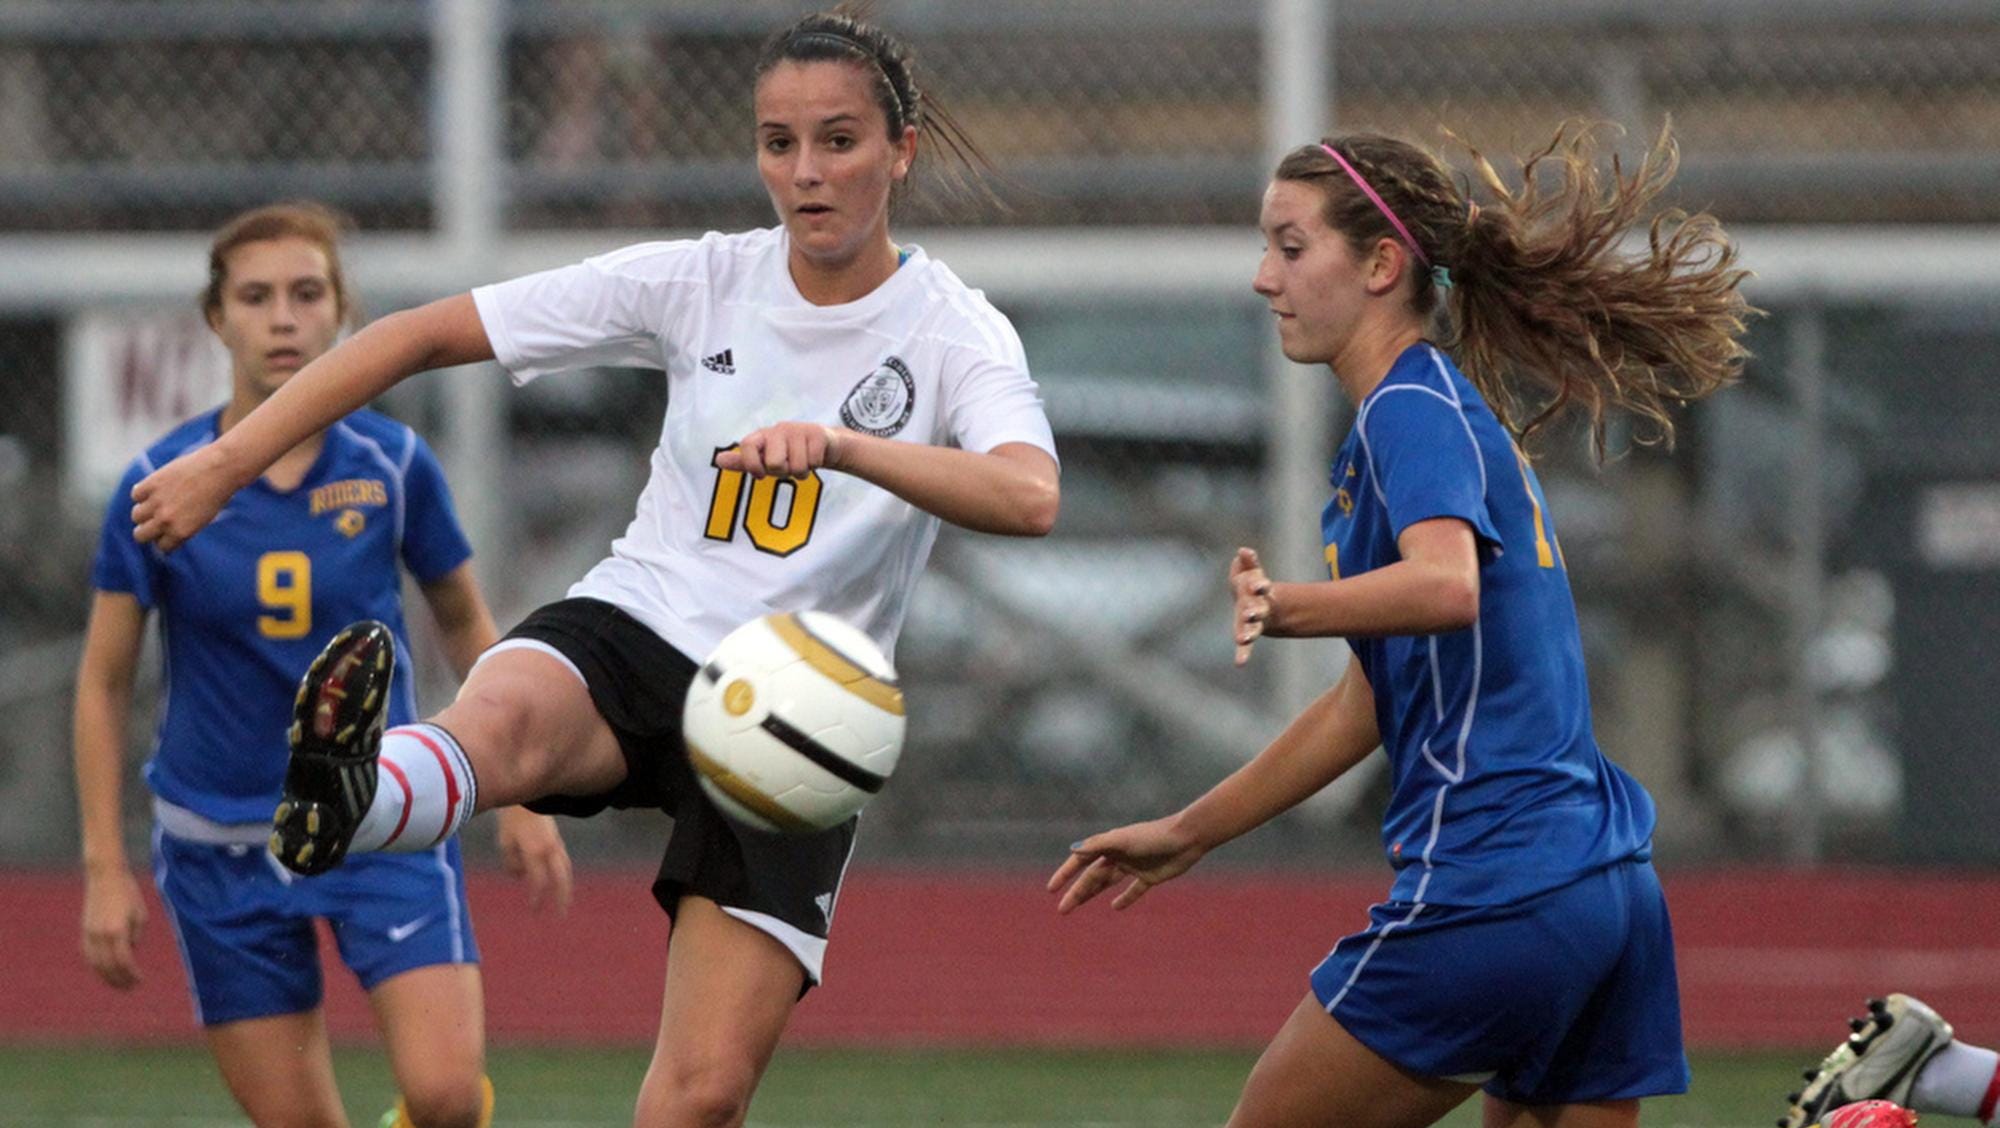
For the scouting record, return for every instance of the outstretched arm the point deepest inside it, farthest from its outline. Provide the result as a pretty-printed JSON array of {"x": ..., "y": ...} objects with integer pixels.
[
  {"x": 1333, "y": 734},
  {"x": 1014, "y": 489},
  {"x": 174, "y": 502}
]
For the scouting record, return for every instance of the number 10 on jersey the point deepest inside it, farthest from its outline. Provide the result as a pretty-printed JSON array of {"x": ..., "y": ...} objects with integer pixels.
[{"x": 760, "y": 514}]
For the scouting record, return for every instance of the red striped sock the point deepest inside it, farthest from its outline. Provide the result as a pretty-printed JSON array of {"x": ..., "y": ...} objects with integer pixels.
[
  {"x": 1988, "y": 1102},
  {"x": 424, "y": 793}
]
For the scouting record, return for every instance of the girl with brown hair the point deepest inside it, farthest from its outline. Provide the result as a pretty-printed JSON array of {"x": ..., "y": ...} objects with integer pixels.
[
  {"x": 1524, "y": 947},
  {"x": 832, "y": 397},
  {"x": 323, "y": 535}
]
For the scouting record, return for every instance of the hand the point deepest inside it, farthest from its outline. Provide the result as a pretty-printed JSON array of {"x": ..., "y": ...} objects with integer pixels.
[
  {"x": 113, "y": 914},
  {"x": 787, "y": 450},
  {"x": 1148, "y": 853},
  {"x": 1252, "y": 589},
  {"x": 173, "y": 503},
  {"x": 533, "y": 850}
]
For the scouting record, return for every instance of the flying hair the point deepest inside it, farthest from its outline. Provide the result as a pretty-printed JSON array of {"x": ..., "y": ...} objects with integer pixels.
[{"x": 1551, "y": 309}]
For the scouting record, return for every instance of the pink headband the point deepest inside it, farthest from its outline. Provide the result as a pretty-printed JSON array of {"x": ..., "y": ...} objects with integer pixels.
[{"x": 1379, "y": 205}]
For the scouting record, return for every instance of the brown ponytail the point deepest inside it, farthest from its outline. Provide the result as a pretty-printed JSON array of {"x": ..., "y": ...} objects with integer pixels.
[{"x": 1549, "y": 311}]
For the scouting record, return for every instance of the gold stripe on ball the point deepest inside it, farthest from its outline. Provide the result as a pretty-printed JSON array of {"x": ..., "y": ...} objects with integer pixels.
[
  {"x": 830, "y": 662},
  {"x": 739, "y": 789}
]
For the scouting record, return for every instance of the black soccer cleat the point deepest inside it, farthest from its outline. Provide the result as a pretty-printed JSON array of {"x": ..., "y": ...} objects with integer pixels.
[{"x": 336, "y": 733}]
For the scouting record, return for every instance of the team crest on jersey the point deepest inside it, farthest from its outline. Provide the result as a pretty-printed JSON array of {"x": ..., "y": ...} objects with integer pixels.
[
  {"x": 350, "y": 523},
  {"x": 881, "y": 403}
]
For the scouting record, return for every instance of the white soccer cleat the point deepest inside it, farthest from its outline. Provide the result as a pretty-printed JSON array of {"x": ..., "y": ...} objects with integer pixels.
[{"x": 1878, "y": 1061}]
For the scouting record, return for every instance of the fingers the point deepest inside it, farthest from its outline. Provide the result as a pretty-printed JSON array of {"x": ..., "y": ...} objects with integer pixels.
[
  {"x": 1249, "y": 628},
  {"x": 1098, "y": 876},
  {"x": 1130, "y": 895},
  {"x": 557, "y": 882},
  {"x": 798, "y": 450},
  {"x": 1252, "y": 589},
  {"x": 1252, "y": 611},
  {"x": 750, "y": 454},
  {"x": 1069, "y": 869},
  {"x": 787, "y": 450},
  {"x": 150, "y": 525},
  {"x": 533, "y": 850},
  {"x": 109, "y": 954}
]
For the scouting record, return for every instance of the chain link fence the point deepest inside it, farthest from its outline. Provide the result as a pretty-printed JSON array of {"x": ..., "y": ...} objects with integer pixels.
[{"x": 1061, "y": 684}]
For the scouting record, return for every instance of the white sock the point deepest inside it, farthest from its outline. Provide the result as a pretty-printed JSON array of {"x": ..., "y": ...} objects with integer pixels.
[
  {"x": 1959, "y": 1080},
  {"x": 424, "y": 791}
]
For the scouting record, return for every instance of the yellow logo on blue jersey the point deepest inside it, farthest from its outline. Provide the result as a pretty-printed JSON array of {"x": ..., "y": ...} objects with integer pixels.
[
  {"x": 350, "y": 493},
  {"x": 350, "y": 523}
]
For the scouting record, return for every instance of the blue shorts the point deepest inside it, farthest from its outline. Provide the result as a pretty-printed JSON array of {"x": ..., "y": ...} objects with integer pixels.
[
  {"x": 245, "y": 923},
  {"x": 1568, "y": 996}
]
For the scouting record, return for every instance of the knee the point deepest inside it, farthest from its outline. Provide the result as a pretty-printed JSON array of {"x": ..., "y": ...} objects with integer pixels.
[
  {"x": 446, "y": 1104},
  {"x": 499, "y": 731},
  {"x": 709, "y": 1094}
]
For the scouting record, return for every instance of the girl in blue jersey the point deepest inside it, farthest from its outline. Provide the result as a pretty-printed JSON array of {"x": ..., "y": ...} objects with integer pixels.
[
  {"x": 297, "y": 554},
  {"x": 1524, "y": 948}
]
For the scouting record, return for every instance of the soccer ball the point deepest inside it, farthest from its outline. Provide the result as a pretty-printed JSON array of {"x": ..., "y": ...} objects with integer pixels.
[{"x": 794, "y": 722}]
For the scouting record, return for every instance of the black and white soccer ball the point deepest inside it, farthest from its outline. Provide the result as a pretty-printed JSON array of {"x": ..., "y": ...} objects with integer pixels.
[{"x": 794, "y": 722}]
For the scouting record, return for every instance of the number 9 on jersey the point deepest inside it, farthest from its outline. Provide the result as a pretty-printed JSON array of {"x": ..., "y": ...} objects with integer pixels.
[{"x": 794, "y": 722}]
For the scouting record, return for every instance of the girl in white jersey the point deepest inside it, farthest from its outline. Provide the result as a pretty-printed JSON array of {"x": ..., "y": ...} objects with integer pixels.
[{"x": 832, "y": 397}]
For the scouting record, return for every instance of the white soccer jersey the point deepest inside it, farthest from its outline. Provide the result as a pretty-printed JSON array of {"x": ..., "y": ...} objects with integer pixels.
[{"x": 922, "y": 359}]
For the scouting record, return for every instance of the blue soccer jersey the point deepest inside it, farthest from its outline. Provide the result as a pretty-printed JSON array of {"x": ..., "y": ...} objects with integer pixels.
[
  {"x": 246, "y": 605},
  {"x": 1499, "y": 790}
]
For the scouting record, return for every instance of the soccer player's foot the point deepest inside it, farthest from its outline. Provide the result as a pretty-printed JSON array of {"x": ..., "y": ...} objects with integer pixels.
[
  {"x": 1878, "y": 1061},
  {"x": 335, "y": 735}
]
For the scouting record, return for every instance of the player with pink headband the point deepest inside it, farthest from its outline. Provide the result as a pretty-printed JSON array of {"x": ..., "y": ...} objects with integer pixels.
[{"x": 1524, "y": 947}]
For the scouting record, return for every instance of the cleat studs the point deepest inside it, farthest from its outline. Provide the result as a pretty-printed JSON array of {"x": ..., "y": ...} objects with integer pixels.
[
  {"x": 1809, "y": 1074},
  {"x": 283, "y": 812},
  {"x": 312, "y": 822},
  {"x": 1792, "y": 1098},
  {"x": 304, "y": 855},
  {"x": 1857, "y": 1024},
  {"x": 277, "y": 844},
  {"x": 1878, "y": 1005}
]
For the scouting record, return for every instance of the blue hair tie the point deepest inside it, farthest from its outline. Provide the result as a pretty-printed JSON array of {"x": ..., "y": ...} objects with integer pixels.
[{"x": 1441, "y": 277}]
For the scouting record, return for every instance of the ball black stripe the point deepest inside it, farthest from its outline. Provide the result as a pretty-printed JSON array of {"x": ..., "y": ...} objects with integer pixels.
[{"x": 850, "y": 773}]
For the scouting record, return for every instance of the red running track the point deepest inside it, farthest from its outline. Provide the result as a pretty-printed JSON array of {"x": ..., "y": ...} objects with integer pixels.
[{"x": 1767, "y": 958}]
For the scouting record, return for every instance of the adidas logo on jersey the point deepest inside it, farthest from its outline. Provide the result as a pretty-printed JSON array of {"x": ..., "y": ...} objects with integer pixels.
[{"x": 723, "y": 362}]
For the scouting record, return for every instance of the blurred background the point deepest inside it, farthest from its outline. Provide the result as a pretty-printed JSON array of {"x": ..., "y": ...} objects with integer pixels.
[{"x": 1788, "y": 619}]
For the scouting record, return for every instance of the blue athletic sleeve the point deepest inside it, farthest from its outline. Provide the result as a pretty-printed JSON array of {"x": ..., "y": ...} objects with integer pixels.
[
  {"x": 433, "y": 542},
  {"x": 122, "y": 563},
  {"x": 1427, "y": 463}
]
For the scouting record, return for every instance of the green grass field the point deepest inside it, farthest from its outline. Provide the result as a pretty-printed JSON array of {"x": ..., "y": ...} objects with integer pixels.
[{"x": 90, "y": 1087}]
